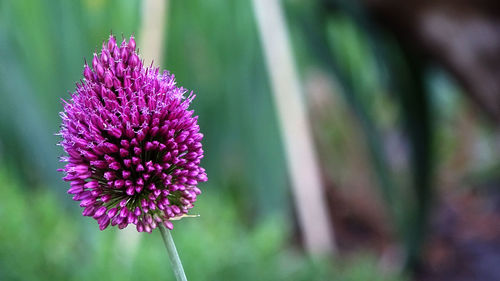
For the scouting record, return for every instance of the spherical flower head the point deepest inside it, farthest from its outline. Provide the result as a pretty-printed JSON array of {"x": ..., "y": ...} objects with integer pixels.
[{"x": 133, "y": 147}]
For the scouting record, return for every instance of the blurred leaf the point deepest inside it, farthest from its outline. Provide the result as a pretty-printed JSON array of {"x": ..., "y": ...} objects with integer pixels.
[
  {"x": 351, "y": 48},
  {"x": 408, "y": 79}
]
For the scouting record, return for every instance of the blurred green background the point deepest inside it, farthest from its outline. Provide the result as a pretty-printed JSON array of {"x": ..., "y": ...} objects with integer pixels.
[{"x": 381, "y": 152}]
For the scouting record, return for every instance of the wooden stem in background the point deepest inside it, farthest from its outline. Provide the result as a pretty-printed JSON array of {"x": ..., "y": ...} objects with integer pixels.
[{"x": 302, "y": 162}]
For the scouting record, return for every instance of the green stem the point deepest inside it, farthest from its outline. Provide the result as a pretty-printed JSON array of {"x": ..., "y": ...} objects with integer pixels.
[{"x": 172, "y": 254}]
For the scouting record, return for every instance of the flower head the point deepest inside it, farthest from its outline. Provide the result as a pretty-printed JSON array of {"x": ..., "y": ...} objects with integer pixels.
[{"x": 133, "y": 147}]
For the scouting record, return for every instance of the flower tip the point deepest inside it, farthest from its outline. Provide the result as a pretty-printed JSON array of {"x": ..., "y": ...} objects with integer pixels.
[
  {"x": 168, "y": 224},
  {"x": 108, "y": 79},
  {"x": 139, "y": 227},
  {"x": 111, "y": 42},
  {"x": 134, "y": 60},
  {"x": 87, "y": 73},
  {"x": 131, "y": 42},
  {"x": 95, "y": 61}
]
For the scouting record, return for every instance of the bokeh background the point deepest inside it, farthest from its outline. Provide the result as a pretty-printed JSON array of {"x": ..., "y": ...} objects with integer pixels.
[{"x": 403, "y": 104}]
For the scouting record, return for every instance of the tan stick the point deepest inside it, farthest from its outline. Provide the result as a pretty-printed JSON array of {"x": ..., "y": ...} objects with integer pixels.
[
  {"x": 152, "y": 33},
  {"x": 301, "y": 159}
]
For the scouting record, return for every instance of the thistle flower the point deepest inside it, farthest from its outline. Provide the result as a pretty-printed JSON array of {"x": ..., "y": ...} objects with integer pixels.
[{"x": 133, "y": 147}]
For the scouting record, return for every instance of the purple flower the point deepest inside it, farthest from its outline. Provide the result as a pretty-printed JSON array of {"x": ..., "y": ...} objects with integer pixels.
[{"x": 133, "y": 146}]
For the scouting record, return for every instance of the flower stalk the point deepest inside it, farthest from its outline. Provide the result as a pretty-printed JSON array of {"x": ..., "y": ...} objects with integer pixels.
[{"x": 172, "y": 254}]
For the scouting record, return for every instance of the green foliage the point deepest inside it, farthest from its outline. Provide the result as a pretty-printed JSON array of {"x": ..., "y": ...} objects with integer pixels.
[{"x": 41, "y": 240}]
